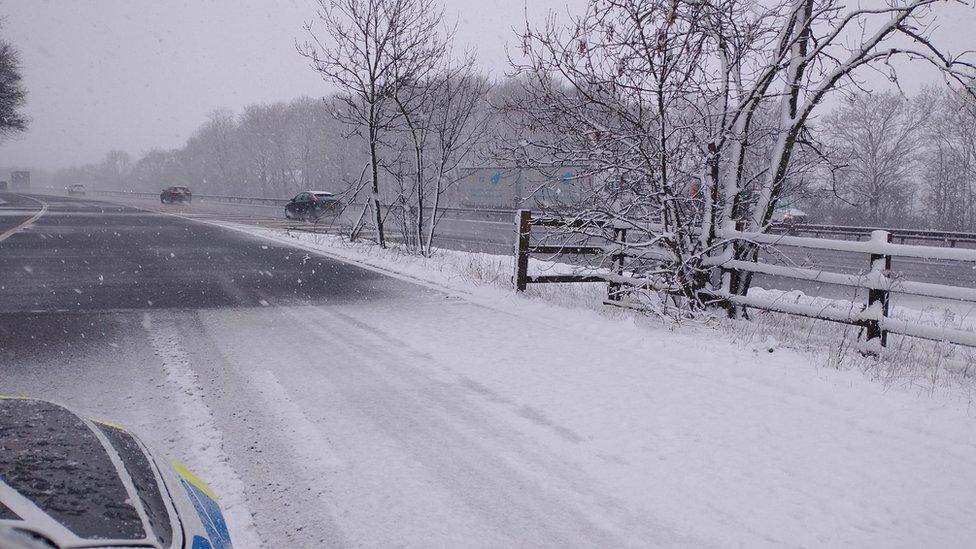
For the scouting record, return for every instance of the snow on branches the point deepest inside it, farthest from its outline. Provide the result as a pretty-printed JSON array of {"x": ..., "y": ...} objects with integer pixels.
[{"x": 685, "y": 115}]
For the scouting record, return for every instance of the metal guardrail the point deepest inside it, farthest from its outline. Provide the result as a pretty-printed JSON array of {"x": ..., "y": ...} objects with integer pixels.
[
  {"x": 134, "y": 194},
  {"x": 873, "y": 316},
  {"x": 496, "y": 213},
  {"x": 253, "y": 200},
  {"x": 264, "y": 201}
]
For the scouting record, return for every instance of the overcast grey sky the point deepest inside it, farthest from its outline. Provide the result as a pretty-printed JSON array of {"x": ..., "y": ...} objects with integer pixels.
[{"x": 133, "y": 74}]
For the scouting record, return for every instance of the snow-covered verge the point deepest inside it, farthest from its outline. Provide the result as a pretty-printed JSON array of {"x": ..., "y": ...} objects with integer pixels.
[
  {"x": 677, "y": 435},
  {"x": 908, "y": 362},
  {"x": 958, "y": 315}
]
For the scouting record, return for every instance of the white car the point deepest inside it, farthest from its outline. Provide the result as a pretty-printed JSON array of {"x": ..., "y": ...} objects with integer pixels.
[{"x": 67, "y": 482}]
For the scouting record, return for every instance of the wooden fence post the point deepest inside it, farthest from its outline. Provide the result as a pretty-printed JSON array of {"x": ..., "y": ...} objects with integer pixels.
[
  {"x": 617, "y": 264},
  {"x": 523, "y": 228},
  {"x": 880, "y": 263}
]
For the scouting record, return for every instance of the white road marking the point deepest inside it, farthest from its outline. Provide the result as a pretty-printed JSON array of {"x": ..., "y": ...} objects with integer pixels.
[{"x": 10, "y": 232}]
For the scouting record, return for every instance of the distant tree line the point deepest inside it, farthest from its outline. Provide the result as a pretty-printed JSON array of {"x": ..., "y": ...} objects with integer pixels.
[
  {"x": 886, "y": 159},
  {"x": 898, "y": 161},
  {"x": 267, "y": 150}
]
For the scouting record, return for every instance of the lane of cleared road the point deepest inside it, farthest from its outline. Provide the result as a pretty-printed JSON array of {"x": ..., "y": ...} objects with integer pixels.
[{"x": 97, "y": 256}]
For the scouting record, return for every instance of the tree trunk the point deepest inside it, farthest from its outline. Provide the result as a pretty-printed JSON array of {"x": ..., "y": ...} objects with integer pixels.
[
  {"x": 374, "y": 166},
  {"x": 420, "y": 198}
]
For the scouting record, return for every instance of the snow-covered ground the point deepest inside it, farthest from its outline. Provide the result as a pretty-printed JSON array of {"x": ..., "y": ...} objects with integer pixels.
[
  {"x": 510, "y": 420},
  {"x": 454, "y": 413},
  {"x": 909, "y": 361}
]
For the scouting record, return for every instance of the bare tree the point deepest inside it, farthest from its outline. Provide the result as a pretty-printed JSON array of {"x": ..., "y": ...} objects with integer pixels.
[
  {"x": 324, "y": 158},
  {"x": 213, "y": 156},
  {"x": 949, "y": 182},
  {"x": 221, "y": 127},
  {"x": 878, "y": 138},
  {"x": 266, "y": 137},
  {"x": 459, "y": 127},
  {"x": 369, "y": 49},
  {"x": 12, "y": 92},
  {"x": 156, "y": 169},
  {"x": 445, "y": 119},
  {"x": 270, "y": 150},
  {"x": 665, "y": 103}
]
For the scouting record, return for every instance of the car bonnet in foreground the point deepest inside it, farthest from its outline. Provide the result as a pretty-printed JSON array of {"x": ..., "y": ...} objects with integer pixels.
[{"x": 73, "y": 482}]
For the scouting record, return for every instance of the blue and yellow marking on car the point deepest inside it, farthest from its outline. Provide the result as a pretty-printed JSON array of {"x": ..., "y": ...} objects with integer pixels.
[{"x": 205, "y": 502}]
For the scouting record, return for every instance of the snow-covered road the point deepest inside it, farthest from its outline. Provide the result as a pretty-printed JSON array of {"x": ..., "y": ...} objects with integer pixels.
[{"x": 412, "y": 416}]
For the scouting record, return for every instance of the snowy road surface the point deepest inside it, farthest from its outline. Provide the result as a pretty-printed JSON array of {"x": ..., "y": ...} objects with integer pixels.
[{"x": 357, "y": 409}]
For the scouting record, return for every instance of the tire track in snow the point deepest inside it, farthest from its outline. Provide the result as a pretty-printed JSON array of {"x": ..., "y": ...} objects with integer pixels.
[
  {"x": 199, "y": 429},
  {"x": 520, "y": 490},
  {"x": 308, "y": 447}
]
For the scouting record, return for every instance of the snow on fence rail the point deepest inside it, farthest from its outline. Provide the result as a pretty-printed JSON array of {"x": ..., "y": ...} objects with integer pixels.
[
  {"x": 949, "y": 238},
  {"x": 615, "y": 277},
  {"x": 877, "y": 280},
  {"x": 872, "y": 316}
]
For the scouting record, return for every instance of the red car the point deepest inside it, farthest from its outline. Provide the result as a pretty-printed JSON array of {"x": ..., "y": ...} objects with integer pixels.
[{"x": 175, "y": 194}]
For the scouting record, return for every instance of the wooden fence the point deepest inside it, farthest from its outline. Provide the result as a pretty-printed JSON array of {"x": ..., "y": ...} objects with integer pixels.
[{"x": 877, "y": 279}]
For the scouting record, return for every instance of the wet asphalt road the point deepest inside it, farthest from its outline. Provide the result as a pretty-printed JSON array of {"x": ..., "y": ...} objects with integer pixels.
[{"x": 85, "y": 255}]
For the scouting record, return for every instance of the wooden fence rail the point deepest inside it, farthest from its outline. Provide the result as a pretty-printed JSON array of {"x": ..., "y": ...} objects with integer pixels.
[{"x": 873, "y": 316}]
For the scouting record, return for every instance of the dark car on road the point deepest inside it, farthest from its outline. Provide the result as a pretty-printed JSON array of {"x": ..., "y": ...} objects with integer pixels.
[
  {"x": 311, "y": 205},
  {"x": 175, "y": 194}
]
